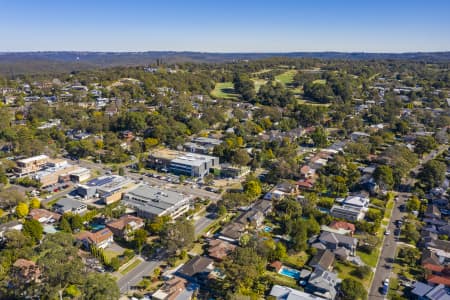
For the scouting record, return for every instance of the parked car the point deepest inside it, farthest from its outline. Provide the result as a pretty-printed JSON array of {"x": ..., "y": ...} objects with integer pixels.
[{"x": 384, "y": 289}]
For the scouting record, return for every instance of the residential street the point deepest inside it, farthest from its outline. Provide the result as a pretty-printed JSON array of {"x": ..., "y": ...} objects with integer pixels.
[
  {"x": 146, "y": 267},
  {"x": 133, "y": 277},
  {"x": 389, "y": 245},
  {"x": 203, "y": 222},
  {"x": 388, "y": 250}
]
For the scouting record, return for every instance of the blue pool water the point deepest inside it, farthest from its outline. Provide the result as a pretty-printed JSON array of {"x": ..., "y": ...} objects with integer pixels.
[
  {"x": 290, "y": 272},
  {"x": 267, "y": 229},
  {"x": 97, "y": 227}
]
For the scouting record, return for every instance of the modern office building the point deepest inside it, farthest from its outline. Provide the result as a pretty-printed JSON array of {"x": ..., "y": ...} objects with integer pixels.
[
  {"x": 150, "y": 202},
  {"x": 108, "y": 188},
  {"x": 202, "y": 145},
  {"x": 182, "y": 163},
  {"x": 30, "y": 165}
]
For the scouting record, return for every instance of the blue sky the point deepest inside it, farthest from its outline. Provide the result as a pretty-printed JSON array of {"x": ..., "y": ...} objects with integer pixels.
[{"x": 225, "y": 26}]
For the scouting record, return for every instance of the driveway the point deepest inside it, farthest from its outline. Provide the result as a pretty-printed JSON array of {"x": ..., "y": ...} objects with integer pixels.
[{"x": 115, "y": 247}]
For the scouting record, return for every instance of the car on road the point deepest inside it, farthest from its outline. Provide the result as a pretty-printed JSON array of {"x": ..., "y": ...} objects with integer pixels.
[
  {"x": 387, "y": 232},
  {"x": 384, "y": 289},
  {"x": 397, "y": 232},
  {"x": 399, "y": 223},
  {"x": 386, "y": 282}
]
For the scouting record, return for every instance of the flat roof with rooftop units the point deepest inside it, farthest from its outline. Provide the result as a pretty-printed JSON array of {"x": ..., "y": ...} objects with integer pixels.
[
  {"x": 104, "y": 185},
  {"x": 183, "y": 163},
  {"x": 33, "y": 159},
  {"x": 150, "y": 201}
]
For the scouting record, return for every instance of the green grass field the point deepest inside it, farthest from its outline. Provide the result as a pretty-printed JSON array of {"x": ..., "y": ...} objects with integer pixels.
[
  {"x": 370, "y": 259},
  {"x": 262, "y": 71},
  {"x": 307, "y": 102},
  {"x": 345, "y": 271},
  {"x": 287, "y": 77},
  {"x": 320, "y": 81},
  {"x": 258, "y": 83},
  {"x": 109, "y": 254},
  {"x": 224, "y": 90},
  {"x": 297, "y": 260},
  {"x": 276, "y": 278}
]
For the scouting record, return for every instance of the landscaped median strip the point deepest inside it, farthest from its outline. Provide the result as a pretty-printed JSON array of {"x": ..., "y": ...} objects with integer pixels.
[{"x": 130, "y": 266}]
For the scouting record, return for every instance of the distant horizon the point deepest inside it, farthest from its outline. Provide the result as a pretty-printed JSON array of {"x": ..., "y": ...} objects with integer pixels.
[
  {"x": 225, "y": 52},
  {"x": 249, "y": 26}
]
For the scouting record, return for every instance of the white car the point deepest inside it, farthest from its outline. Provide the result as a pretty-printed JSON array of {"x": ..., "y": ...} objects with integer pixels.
[
  {"x": 387, "y": 232},
  {"x": 386, "y": 282}
]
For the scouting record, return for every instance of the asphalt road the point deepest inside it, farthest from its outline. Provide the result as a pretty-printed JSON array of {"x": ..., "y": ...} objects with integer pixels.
[
  {"x": 389, "y": 244},
  {"x": 387, "y": 250},
  {"x": 146, "y": 267},
  {"x": 202, "y": 223},
  {"x": 135, "y": 276}
]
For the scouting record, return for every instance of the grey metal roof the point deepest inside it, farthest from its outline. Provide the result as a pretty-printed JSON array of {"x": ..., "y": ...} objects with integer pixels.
[
  {"x": 69, "y": 203},
  {"x": 284, "y": 292},
  {"x": 154, "y": 200},
  {"x": 421, "y": 289}
]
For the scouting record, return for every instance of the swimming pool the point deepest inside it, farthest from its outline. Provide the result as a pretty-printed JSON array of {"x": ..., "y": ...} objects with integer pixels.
[
  {"x": 293, "y": 273},
  {"x": 97, "y": 227},
  {"x": 267, "y": 229}
]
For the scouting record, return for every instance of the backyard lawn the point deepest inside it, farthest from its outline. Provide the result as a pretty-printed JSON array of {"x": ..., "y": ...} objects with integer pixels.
[
  {"x": 281, "y": 280},
  {"x": 345, "y": 271},
  {"x": 110, "y": 254},
  {"x": 297, "y": 260},
  {"x": 369, "y": 259}
]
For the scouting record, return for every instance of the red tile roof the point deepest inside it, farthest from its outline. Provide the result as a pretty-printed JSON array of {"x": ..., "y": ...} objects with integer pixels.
[
  {"x": 38, "y": 213},
  {"x": 95, "y": 237},
  {"x": 436, "y": 279},
  {"x": 342, "y": 225},
  {"x": 220, "y": 249},
  {"x": 276, "y": 265},
  {"x": 434, "y": 268},
  {"x": 121, "y": 223}
]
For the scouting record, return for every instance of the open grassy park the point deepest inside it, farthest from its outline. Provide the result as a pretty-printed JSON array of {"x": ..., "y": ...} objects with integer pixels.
[
  {"x": 224, "y": 90},
  {"x": 287, "y": 77}
]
